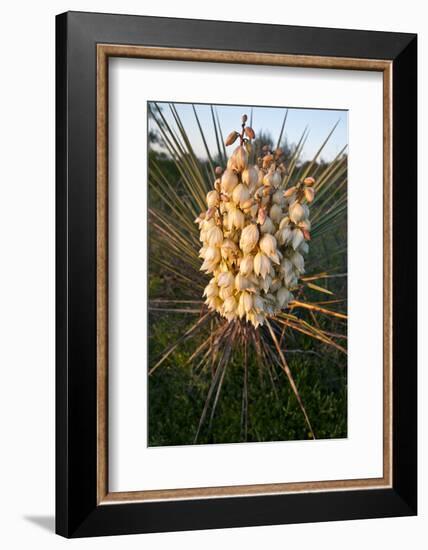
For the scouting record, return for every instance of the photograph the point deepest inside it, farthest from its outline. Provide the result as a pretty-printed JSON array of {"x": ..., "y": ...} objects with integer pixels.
[{"x": 247, "y": 273}]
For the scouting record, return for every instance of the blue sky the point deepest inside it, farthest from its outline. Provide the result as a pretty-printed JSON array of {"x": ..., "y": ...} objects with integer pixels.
[{"x": 266, "y": 119}]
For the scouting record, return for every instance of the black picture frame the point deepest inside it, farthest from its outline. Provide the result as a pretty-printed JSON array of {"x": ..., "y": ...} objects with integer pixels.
[{"x": 77, "y": 511}]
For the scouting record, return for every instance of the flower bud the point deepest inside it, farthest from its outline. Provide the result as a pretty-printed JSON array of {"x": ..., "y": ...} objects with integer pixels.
[
  {"x": 309, "y": 193},
  {"x": 262, "y": 215},
  {"x": 249, "y": 132},
  {"x": 289, "y": 192},
  {"x": 231, "y": 138},
  {"x": 309, "y": 181}
]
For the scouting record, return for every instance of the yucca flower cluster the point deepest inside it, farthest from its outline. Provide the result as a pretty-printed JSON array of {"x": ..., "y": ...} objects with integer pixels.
[{"x": 254, "y": 233}]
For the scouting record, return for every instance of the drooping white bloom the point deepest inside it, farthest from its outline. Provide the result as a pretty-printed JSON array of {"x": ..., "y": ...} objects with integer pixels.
[
  {"x": 250, "y": 176},
  {"x": 276, "y": 179},
  {"x": 241, "y": 282},
  {"x": 226, "y": 279},
  {"x": 298, "y": 261},
  {"x": 246, "y": 300},
  {"x": 211, "y": 289},
  {"x": 236, "y": 218},
  {"x": 284, "y": 235},
  {"x": 229, "y": 180},
  {"x": 278, "y": 197},
  {"x": 297, "y": 212},
  {"x": 249, "y": 238},
  {"x": 297, "y": 238},
  {"x": 246, "y": 265},
  {"x": 286, "y": 266},
  {"x": 215, "y": 236},
  {"x": 229, "y": 250},
  {"x": 261, "y": 265},
  {"x": 283, "y": 296},
  {"x": 303, "y": 248},
  {"x": 268, "y": 226},
  {"x": 276, "y": 213},
  {"x": 268, "y": 246},
  {"x": 213, "y": 198},
  {"x": 212, "y": 257},
  {"x": 230, "y": 304},
  {"x": 239, "y": 159},
  {"x": 240, "y": 194}
]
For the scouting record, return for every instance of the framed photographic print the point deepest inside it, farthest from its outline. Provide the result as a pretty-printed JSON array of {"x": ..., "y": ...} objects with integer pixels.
[{"x": 236, "y": 274}]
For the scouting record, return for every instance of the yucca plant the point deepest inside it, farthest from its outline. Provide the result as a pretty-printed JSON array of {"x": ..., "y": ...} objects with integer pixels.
[{"x": 258, "y": 280}]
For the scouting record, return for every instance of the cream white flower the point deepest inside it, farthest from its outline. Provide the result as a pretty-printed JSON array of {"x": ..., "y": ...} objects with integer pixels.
[
  {"x": 249, "y": 238},
  {"x": 241, "y": 282},
  {"x": 298, "y": 261},
  {"x": 230, "y": 305},
  {"x": 213, "y": 198},
  {"x": 229, "y": 180},
  {"x": 276, "y": 179},
  {"x": 297, "y": 238},
  {"x": 215, "y": 236},
  {"x": 226, "y": 279},
  {"x": 297, "y": 212},
  {"x": 283, "y": 296},
  {"x": 240, "y": 194},
  {"x": 268, "y": 246},
  {"x": 261, "y": 265},
  {"x": 268, "y": 226},
  {"x": 276, "y": 213},
  {"x": 246, "y": 265},
  {"x": 236, "y": 218},
  {"x": 253, "y": 236},
  {"x": 250, "y": 176},
  {"x": 239, "y": 159},
  {"x": 278, "y": 198}
]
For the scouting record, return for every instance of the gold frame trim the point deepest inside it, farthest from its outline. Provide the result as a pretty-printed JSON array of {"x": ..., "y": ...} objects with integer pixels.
[{"x": 104, "y": 51}]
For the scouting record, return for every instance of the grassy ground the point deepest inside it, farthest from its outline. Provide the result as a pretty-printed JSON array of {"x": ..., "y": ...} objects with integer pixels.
[{"x": 177, "y": 394}]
